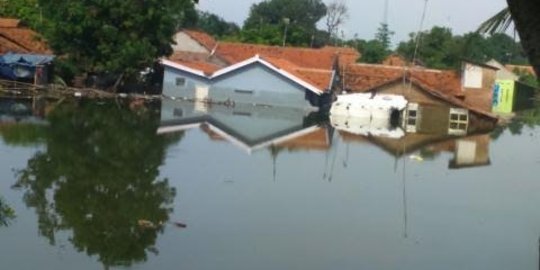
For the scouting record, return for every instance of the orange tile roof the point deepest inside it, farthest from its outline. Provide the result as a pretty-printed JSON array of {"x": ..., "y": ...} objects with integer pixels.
[
  {"x": 18, "y": 39},
  {"x": 9, "y": 23},
  {"x": 366, "y": 77},
  {"x": 303, "y": 57},
  {"x": 202, "y": 38},
  {"x": 319, "y": 78},
  {"x": 198, "y": 61}
]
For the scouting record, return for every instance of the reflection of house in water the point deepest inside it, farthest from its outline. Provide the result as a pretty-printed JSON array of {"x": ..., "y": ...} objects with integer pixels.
[
  {"x": 248, "y": 127},
  {"x": 469, "y": 150},
  {"x": 17, "y": 110}
]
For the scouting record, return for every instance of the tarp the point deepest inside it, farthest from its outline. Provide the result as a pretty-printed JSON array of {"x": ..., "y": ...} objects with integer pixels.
[{"x": 22, "y": 66}]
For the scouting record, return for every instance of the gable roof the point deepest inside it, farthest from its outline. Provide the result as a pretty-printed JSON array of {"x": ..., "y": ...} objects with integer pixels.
[
  {"x": 18, "y": 39},
  {"x": 367, "y": 77},
  {"x": 318, "y": 81}
]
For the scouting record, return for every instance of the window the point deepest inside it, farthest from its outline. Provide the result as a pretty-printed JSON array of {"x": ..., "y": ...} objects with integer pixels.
[
  {"x": 247, "y": 92},
  {"x": 459, "y": 121},
  {"x": 180, "y": 81},
  {"x": 411, "y": 117}
]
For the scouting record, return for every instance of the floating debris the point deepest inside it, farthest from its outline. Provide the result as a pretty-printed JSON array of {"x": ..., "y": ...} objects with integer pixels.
[
  {"x": 179, "y": 225},
  {"x": 416, "y": 158}
]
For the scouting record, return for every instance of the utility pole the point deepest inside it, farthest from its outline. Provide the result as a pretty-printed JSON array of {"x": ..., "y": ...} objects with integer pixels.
[{"x": 286, "y": 21}]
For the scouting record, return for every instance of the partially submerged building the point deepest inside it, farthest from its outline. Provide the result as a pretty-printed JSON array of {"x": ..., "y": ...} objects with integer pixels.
[
  {"x": 203, "y": 69},
  {"x": 24, "y": 55},
  {"x": 454, "y": 102}
]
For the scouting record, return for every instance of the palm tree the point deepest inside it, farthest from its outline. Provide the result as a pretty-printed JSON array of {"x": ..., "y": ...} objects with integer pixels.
[{"x": 524, "y": 14}]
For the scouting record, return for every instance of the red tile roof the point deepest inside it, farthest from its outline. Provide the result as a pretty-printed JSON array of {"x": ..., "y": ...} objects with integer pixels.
[
  {"x": 319, "y": 78},
  {"x": 303, "y": 57},
  {"x": 366, "y": 77},
  {"x": 202, "y": 38},
  {"x": 18, "y": 39},
  {"x": 198, "y": 61}
]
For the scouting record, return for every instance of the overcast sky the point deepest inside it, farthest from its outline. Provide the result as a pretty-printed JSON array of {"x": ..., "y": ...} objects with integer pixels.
[{"x": 403, "y": 15}]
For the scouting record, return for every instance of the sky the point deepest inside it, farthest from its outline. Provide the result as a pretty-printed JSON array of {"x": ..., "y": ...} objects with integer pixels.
[{"x": 404, "y": 16}]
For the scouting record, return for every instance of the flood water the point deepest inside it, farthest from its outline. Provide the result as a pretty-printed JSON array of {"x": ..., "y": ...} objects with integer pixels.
[{"x": 128, "y": 185}]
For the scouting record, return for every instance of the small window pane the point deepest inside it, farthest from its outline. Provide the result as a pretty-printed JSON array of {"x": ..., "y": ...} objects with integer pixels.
[
  {"x": 180, "y": 81},
  {"x": 411, "y": 122},
  {"x": 412, "y": 113},
  {"x": 462, "y": 126},
  {"x": 454, "y": 117},
  {"x": 463, "y": 117},
  {"x": 453, "y": 125}
]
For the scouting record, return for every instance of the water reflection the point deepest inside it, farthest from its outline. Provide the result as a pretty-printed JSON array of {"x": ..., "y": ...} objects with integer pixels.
[
  {"x": 248, "y": 127},
  {"x": 7, "y": 214},
  {"x": 98, "y": 177}
]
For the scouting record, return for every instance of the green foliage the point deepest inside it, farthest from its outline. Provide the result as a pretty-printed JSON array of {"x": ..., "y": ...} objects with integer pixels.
[
  {"x": 26, "y": 10},
  {"x": 7, "y": 214},
  {"x": 215, "y": 25},
  {"x": 115, "y": 36},
  {"x": 439, "y": 48},
  {"x": 22, "y": 134},
  {"x": 100, "y": 164},
  {"x": 270, "y": 19},
  {"x": 384, "y": 36}
]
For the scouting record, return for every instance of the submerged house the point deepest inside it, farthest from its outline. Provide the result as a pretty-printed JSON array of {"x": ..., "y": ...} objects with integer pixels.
[
  {"x": 24, "y": 55},
  {"x": 203, "y": 69},
  {"x": 445, "y": 102}
]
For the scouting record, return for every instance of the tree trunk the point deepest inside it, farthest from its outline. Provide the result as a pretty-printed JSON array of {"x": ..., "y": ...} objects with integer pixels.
[{"x": 527, "y": 20}]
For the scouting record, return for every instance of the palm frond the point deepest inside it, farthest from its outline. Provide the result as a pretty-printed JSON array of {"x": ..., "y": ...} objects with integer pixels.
[{"x": 497, "y": 24}]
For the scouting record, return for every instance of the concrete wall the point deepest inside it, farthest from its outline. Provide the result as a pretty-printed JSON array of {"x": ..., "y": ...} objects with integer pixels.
[
  {"x": 187, "y": 44},
  {"x": 253, "y": 84}
]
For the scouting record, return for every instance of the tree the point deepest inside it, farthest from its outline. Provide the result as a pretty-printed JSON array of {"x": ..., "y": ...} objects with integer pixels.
[
  {"x": 437, "y": 48},
  {"x": 384, "y": 36},
  {"x": 26, "y": 10},
  {"x": 97, "y": 177},
  {"x": 274, "y": 20},
  {"x": 215, "y": 25},
  {"x": 113, "y": 37},
  {"x": 336, "y": 14},
  {"x": 524, "y": 15}
]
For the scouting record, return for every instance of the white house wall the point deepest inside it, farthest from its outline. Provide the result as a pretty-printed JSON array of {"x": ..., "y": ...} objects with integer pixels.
[{"x": 253, "y": 84}]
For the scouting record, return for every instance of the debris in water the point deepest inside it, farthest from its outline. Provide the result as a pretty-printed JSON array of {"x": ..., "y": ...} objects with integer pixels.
[
  {"x": 416, "y": 158},
  {"x": 179, "y": 225}
]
